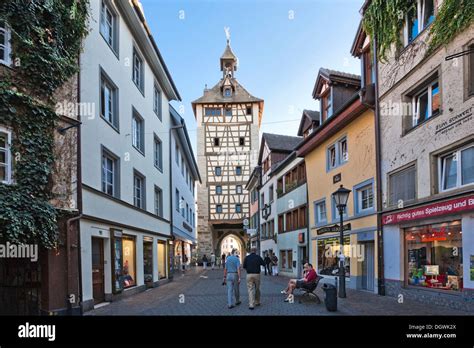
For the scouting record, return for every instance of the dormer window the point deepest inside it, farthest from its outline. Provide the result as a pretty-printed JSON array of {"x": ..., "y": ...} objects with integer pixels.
[
  {"x": 227, "y": 92},
  {"x": 368, "y": 69},
  {"x": 326, "y": 105}
]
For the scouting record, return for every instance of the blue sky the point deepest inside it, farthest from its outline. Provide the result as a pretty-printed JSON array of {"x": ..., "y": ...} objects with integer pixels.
[{"x": 280, "y": 44}]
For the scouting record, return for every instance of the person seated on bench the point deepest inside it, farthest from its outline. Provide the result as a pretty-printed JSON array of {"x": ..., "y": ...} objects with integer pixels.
[{"x": 309, "y": 276}]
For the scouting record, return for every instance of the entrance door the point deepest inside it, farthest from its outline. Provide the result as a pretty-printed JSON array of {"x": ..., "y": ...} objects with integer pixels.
[
  {"x": 302, "y": 259},
  {"x": 368, "y": 269},
  {"x": 98, "y": 270}
]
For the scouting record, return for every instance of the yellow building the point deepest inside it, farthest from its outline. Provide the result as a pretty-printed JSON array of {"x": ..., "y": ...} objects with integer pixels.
[{"x": 340, "y": 150}]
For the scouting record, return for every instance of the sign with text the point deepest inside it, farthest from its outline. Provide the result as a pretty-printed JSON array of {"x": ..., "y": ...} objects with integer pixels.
[
  {"x": 334, "y": 228},
  {"x": 436, "y": 209}
]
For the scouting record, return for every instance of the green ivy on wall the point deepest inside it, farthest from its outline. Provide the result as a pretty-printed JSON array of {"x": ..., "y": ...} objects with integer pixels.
[
  {"x": 386, "y": 19},
  {"x": 46, "y": 38}
]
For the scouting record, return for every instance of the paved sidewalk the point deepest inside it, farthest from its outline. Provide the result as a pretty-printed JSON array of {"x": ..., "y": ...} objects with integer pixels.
[{"x": 200, "y": 292}]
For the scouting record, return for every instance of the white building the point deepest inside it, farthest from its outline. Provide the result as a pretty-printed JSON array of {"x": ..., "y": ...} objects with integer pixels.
[
  {"x": 183, "y": 198},
  {"x": 125, "y": 227}
]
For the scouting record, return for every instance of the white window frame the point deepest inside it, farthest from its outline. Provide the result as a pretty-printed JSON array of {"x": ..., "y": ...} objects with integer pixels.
[
  {"x": 458, "y": 160},
  {"x": 158, "y": 201},
  {"x": 318, "y": 212},
  {"x": 142, "y": 197},
  {"x": 138, "y": 132},
  {"x": 359, "y": 198},
  {"x": 7, "y": 47},
  {"x": 416, "y": 102},
  {"x": 157, "y": 102},
  {"x": 158, "y": 153},
  {"x": 112, "y": 117},
  {"x": 138, "y": 70},
  {"x": 420, "y": 16},
  {"x": 8, "y": 156},
  {"x": 112, "y": 40},
  {"x": 105, "y": 172}
]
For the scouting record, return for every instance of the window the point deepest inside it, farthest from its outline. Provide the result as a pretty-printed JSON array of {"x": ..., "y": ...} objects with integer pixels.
[
  {"x": 108, "y": 100},
  {"x": 402, "y": 186},
  {"x": 227, "y": 92},
  {"x": 238, "y": 208},
  {"x": 335, "y": 211},
  {"x": 241, "y": 141},
  {"x": 157, "y": 102},
  {"x": 238, "y": 170},
  {"x": 216, "y": 142},
  {"x": 176, "y": 155},
  {"x": 158, "y": 153},
  {"x": 158, "y": 202},
  {"x": 176, "y": 200},
  {"x": 110, "y": 173},
  {"x": 219, "y": 208},
  {"x": 138, "y": 132},
  {"x": 187, "y": 212},
  {"x": 426, "y": 103},
  {"x": 470, "y": 70},
  {"x": 328, "y": 260},
  {"x": 320, "y": 212},
  {"x": 281, "y": 223},
  {"x": 238, "y": 189},
  {"x": 228, "y": 112},
  {"x": 183, "y": 166},
  {"x": 364, "y": 196},
  {"x": 138, "y": 190},
  {"x": 326, "y": 104},
  {"x": 418, "y": 19},
  {"x": 5, "y": 156},
  {"x": 128, "y": 274},
  {"x": 431, "y": 260},
  {"x": 213, "y": 112},
  {"x": 337, "y": 154},
  {"x": 219, "y": 189},
  {"x": 249, "y": 110},
  {"x": 108, "y": 26},
  {"x": 218, "y": 171},
  {"x": 162, "y": 257},
  {"x": 138, "y": 71},
  {"x": 286, "y": 259},
  {"x": 5, "y": 45},
  {"x": 368, "y": 68},
  {"x": 262, "y": 200},
  {"x": 457, "y": 168},
  {"x": 270, "y": 193},
  {"x": 181, "y": 203}
]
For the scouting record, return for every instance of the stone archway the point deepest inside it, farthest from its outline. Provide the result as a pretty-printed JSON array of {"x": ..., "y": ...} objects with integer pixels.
[{"x": 240, "y": 243}]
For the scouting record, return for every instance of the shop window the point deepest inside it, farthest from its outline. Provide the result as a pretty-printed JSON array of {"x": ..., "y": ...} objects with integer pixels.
[
  {"x": 328, "y": 256},
  {"x": 457, "y": 168},
  {"x": 128, "y": 265},
  {"x": 148, "y": 262},
  {"x": 5, "y": 156},
  {"x": 402, "y": 186},
  {"x": 161, "y": 260},
  {"x": 434, "y": 256}
]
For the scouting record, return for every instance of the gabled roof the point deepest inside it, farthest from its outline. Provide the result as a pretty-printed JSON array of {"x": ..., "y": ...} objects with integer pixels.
[
  {"x": 215, "y": 95},
  {"x": 334, "y": 76},
  {"x": 278, "y": 143},
  {"x": 311, "y": 116}
]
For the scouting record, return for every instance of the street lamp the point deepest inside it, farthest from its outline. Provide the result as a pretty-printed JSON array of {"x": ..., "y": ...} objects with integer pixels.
[{"x": 340, "y": 198}]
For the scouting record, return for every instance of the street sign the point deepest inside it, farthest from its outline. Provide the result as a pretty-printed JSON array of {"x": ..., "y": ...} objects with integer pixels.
[{"x": 334, "y": 228}]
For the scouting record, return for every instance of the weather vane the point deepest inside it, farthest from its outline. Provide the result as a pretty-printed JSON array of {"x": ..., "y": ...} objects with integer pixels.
[{"x": 227, "y": 33}]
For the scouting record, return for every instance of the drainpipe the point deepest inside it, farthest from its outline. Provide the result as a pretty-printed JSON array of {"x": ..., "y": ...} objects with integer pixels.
[
  {"x": 170, "y": 275},
  {"x": 69, "y": 266},
  {"x": 380, "y": 246}
]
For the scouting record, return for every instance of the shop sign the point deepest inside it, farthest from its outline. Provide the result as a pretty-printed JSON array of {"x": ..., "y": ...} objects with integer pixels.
[
  {"x": 301, "y": 237},
  {"x": 437, "y": 209},
  {"x": 336, "y": 178},
  {"x": 456, "y": 121},
  {"x": 334, "y": 228}
]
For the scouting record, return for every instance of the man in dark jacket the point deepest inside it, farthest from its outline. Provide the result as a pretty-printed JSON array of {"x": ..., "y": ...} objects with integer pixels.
[
  {"x": 252, "y": 264},
  {"x": 268, "y": 262}
]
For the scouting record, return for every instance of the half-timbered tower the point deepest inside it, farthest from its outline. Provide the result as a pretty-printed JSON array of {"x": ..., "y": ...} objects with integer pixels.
[{"x": 228, "y": 119}]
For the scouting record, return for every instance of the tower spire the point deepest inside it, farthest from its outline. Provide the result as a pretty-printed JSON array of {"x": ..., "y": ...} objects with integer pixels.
[{"x": 228, "y": 58}]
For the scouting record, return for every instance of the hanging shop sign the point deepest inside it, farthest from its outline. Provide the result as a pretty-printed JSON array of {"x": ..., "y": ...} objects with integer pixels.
[{"x": 436, "y": 209}]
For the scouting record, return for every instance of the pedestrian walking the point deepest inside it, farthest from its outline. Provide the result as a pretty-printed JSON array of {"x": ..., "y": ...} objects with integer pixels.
[
  {"x": 213, "y": 260},
  {"x": 274, "y": 259},
  {"x": 204, "y": 261},
  {"x": 268, "y": 262},
  {"x": 232, "y": 280},
  {"x": 253, "y": 264},
  {"x": 223, "y": 259}
]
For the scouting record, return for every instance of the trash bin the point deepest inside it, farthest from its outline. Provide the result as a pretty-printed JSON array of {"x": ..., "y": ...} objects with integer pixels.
[{"x": 330, "y": 297}]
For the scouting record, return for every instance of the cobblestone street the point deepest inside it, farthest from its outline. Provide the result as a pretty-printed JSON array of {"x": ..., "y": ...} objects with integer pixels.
[{"x": 200, "y": 292}]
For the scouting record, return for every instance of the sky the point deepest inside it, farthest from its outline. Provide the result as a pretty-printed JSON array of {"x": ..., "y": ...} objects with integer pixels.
[{"x": 280, "y": 44}]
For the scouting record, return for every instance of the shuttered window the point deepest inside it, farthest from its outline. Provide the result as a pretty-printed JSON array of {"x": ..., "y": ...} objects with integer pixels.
[{"x": 402, "y": 186}]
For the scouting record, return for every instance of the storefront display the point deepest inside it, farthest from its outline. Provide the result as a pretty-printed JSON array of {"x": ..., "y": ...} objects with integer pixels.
[
  {"x": 328, "y": 260},
  {"x": 128, "y": 265},
  {"x": 148, "y": 260},
  {"x": 117, "y": 261},
  {"x": 161, "y": 259},
  {"x": 434, "y": 256}
]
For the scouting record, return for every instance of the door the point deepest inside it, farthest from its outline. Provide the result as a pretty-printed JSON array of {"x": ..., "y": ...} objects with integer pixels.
[
  {"x": 302, "y": 259},
  {"x": 98, "y": 270},
  {"x": 368, "y": 269}
]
